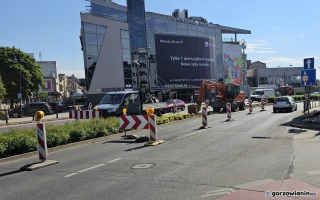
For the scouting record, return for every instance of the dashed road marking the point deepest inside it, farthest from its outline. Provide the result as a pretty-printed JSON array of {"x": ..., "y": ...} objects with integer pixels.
[
  {"x": 111, "y": 161},
  {"x": 224, "y": 191},
  {"x": 90, "y": 168},
  {"x": 84, "y": 170},
  {"x": 188, "y": 135},
  {"x": 70, "y": 175},
  {"x": 254, "y": 183},
  {"x": 313, "y": 172}
]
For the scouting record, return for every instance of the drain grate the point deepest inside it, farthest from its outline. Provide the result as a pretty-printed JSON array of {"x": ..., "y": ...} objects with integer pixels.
[{"x": 261, "y": 137}]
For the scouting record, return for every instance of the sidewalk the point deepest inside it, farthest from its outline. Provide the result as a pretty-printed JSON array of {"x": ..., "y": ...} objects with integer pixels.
[{"x": 29, "y": 119}]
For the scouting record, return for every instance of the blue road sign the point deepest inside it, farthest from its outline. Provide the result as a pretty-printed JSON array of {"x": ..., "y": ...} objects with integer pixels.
[
  {"x": 308, "y": 63},
  {"x": 308, "y": 77}
]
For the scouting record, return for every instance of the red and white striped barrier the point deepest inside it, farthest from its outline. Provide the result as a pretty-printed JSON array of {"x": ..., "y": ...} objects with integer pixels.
[
  {"x": 134, "y": 122},
  {"x": 84, "y": 114},
  {"x": 42, "y": 141},
  {"x": 228, "y": 106},
  {"x": 262, "y": 105},
  {"x": 204, "y": 116},
  {"x": 152, "y": 128},
  {"x": 250, "y": 106}
]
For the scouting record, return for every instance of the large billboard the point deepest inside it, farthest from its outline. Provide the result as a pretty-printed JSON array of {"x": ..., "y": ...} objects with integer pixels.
[
  {"x": 232, "y": 63},
  {"x": 183, "y": 61}
]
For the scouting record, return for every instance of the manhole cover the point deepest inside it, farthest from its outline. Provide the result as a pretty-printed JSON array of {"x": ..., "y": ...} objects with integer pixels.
[{"x": 142, "y": 166}]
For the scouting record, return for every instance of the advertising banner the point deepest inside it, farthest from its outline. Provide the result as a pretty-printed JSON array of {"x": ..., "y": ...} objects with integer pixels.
[
  {"x": 47, "y": 86},
  {"x": 233, "y": 63},
  {"x": 184, "y": 61}
]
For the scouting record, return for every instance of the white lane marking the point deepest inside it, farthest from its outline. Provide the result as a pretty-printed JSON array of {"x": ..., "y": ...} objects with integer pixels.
[
  {"x": 188, "y": 135},
  {"x": 84, "y": 170},
  {"x": 224, "y": 191},
  {"x": 254, "y": 183},
  {"x": 313, "y": 172},
  {"x": 70, "y": 175},
  {"x": 111, "y": 161}
]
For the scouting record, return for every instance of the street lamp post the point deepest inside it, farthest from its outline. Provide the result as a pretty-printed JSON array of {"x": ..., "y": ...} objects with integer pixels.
[{"x": 20, "y": 90}]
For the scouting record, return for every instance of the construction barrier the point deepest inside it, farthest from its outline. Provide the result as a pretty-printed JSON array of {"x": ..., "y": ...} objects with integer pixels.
[
  {"x": 228, "y": 106},
  {"x": 152, "y": 128},
  {"x": 204, "y": 116},
  {"x": 85, "y": 114},
  {"x": 250, "y": 106},
  {"x": 42, "y": 141},
  {"x": 137, "y": 122}
]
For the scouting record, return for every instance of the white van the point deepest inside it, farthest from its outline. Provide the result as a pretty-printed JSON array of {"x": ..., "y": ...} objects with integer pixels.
[{"x": 256, "y": 95}]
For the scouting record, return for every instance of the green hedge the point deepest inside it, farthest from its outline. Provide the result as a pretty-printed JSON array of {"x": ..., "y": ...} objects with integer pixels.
[{"x": 21, "y": 141}]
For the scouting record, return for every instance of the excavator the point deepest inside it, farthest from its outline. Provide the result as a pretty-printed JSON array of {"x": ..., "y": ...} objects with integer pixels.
[{"x": 219, "y": 94}]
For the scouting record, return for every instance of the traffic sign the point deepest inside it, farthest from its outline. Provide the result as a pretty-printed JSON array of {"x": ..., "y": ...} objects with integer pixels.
[
  {"x": 308, "y": 77},
  {"x": 308, "y": 63}
]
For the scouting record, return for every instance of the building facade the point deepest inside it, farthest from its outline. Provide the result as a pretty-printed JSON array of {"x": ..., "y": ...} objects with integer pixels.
[{"x": 127, "y": 47}]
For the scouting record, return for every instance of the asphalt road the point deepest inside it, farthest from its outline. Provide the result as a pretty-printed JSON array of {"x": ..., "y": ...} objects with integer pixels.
[{"x": 192, "y": 163}]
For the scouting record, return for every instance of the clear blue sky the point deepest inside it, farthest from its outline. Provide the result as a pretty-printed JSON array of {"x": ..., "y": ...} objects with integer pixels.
[{"x": 283, "y": 31}]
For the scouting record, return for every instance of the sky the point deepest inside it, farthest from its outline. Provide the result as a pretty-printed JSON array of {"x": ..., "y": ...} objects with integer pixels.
[{"x": 283, "y": 32}]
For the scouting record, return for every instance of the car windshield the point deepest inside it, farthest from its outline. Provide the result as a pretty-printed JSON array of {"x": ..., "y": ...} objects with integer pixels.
[
  {"x": 258, "y": 92},
  {"x": 170, "y": 101},
  {"x": 282, "y": 99},
  {"x": 112, "y": 99}
]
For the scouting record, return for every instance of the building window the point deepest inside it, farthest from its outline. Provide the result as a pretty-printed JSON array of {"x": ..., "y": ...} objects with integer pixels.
[{"x": 263, "y": 80}]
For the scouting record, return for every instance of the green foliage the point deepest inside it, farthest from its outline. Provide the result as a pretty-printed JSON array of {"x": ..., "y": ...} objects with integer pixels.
[
  {"x": 16, "y": 142},
  {"x": 2, "y": 89},
  {"x": 13, "y": 62}
]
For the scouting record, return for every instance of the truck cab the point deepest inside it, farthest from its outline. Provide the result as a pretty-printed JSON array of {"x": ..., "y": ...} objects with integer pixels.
[{"x": 113, "y": 103}]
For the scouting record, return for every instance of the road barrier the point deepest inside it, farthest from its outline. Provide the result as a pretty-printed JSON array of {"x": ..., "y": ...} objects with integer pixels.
[
  {"x": 84, "y": 114},
  {"x": 152, "y": 127},
  {"x": 137, "y": 122},
  {"x": 204, "y": 116},
  {"x": 250, "y": 106},
  {"x": 228, "y": 106},
  {"x": 42, "y": 141}
]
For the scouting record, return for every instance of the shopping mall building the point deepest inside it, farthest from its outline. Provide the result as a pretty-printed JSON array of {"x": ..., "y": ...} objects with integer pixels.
[{"x": 125, "y": 47}]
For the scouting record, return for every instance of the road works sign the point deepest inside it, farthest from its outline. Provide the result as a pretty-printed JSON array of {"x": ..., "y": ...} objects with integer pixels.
[
  {"x": 308, "y": 63},
  {"x": 134, "y": 122},
  {"x": 308, "y": 77}
]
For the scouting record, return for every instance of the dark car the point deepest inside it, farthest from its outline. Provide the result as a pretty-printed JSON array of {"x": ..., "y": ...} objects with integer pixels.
[
  {"x": 61, "y": 106},
  {"x": 31, "y": 109},
  {"x": 175, "y": 104}
]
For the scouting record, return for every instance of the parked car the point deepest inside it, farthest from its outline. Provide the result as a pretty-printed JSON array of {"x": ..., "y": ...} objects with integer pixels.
[
  {"x": 172, "y": 103},
  {"x": 61, "y": 106},
  {"x": 284, "y": 103},
  {"x": 31, "y": 109}
]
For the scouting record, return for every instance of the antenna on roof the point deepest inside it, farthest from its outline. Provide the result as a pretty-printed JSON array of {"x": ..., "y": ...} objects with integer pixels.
[{"x": 40, "y": 56}]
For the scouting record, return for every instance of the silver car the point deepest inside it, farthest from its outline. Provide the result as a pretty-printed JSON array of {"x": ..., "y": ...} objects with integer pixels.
[{"x": 284, "y": 103}]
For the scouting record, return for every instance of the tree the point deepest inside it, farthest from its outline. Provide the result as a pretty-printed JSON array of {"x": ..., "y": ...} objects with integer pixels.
[
  {"x": 2, "y": 90},
  {"x": 12, "y": 63}
]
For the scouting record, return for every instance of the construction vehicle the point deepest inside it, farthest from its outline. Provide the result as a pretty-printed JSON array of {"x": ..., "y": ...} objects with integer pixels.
[
  {"x": 219, "y": 94},
  {"x": 286, "y": 90}
]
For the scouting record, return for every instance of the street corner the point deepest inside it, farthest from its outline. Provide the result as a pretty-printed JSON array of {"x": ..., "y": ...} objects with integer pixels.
[
  {"x": 154, "y": 143},
  {"x": 38, "y": 165}
]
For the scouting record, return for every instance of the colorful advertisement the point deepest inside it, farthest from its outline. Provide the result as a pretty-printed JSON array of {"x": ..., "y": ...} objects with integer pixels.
[
  {"x": 47, "y": 86},
  {"x": 232, "y": 63},
  {"x": 183, "y": 61}
]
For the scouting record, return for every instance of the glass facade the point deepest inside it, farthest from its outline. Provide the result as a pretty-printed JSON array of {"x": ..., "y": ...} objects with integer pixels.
[
  {"x": 137, "y": 23},
  {"x": 93, "y": 39},
  {"x": 126, "y": 58},
  {"x": 107, "y": 12}
]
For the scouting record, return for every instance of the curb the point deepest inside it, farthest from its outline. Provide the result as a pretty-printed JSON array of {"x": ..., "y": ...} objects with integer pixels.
[{"x": 60, "y": 148}]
